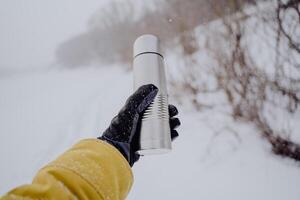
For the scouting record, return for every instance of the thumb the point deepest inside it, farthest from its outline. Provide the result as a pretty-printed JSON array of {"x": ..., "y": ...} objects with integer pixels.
[{"x": 141, "y": 98}]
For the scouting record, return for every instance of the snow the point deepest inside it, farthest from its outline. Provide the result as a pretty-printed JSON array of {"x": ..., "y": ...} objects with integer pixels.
[{"x": 44, "y": 112}]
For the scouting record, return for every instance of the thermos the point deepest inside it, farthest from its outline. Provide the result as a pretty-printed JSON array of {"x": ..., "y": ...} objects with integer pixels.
[{"x": 148, "y": 68}]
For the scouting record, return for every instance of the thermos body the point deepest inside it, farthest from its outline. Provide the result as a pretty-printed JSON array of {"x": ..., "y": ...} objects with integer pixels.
[{"x": 148, "y": 68}]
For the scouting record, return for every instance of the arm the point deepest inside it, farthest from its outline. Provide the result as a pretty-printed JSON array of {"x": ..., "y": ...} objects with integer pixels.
[
  {"x": 91, "y": 169},
  {"x": 97, "y": 168}
]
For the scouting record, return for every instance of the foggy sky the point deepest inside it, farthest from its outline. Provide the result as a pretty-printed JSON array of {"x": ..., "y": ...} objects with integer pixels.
[{"x": 30, "y": 30}]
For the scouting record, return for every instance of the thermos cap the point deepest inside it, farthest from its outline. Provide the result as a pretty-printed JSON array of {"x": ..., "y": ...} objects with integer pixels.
[{"x": 146, "y": 44}]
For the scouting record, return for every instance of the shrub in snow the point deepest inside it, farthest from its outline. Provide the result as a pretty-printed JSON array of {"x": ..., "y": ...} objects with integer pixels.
[{"x": 249, "y": 63}]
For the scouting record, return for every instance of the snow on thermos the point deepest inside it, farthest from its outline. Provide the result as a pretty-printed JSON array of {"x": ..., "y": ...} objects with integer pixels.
[{"x": 148, "y": 67}]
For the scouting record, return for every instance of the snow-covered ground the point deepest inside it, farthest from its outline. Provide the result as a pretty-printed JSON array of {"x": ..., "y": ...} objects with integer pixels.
[{"x": 42, "y": 113}]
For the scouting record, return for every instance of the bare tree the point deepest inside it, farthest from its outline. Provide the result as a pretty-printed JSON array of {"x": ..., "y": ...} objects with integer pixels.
[{"x": 113, "y": 29}]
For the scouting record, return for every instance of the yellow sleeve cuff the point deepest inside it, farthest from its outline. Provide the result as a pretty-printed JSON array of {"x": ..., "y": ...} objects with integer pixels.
[
  {"x": 91, "y": 169},
  {"x": 98, "y": 163}
]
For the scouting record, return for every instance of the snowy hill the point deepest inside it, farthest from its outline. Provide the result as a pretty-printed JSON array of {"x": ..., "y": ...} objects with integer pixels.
[{"x": 43, "y": 113}]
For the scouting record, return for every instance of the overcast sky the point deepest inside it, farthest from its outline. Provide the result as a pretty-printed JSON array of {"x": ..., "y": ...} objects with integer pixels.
[{"x": 30, "y": 30}]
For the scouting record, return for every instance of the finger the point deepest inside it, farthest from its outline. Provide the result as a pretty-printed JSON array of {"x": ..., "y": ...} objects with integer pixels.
[
  {"x": 173, "y": 110},
  {"x": 141, "y": 98},
  {"x": 174, "y": 135},
  {"x": 136, "y": 157},
  {"x": 174, "y": 123}
]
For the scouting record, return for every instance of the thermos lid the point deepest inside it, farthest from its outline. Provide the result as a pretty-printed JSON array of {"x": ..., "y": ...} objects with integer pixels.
[{"x": 146, "y": 44}]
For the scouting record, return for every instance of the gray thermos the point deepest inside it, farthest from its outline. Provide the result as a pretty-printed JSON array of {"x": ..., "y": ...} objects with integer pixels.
[{"x": 148, "y": 67}]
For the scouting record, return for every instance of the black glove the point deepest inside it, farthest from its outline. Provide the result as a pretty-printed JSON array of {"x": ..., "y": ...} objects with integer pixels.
[{"x": 124, "y": 130}]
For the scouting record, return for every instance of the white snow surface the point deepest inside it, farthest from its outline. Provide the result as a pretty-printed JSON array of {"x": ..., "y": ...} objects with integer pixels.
[{"x": 42, "y": 113}]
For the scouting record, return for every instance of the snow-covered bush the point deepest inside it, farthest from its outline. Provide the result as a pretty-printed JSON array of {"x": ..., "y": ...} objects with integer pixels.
[{"x": 250, "y": 58}]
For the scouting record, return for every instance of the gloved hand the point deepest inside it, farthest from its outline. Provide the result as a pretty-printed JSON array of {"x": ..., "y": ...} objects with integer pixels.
[{"x": 124, "y": 130}]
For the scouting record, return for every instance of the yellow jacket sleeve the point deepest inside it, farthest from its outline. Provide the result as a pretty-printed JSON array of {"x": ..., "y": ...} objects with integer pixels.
[{"x": 91, "y": 169}]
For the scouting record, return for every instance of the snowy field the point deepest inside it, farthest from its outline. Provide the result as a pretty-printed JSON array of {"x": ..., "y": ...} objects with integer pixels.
[
  {"x": 45, "y": 109},
  {"x": 42, "y": 113}
]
